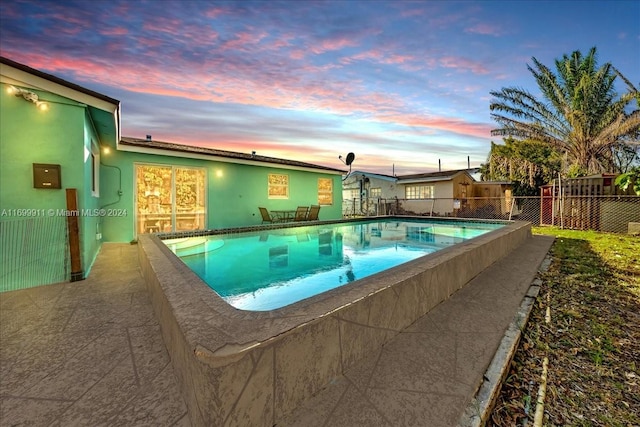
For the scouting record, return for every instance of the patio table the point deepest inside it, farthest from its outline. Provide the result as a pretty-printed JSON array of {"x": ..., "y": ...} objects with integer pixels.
[{"x": 284, "y": 215}]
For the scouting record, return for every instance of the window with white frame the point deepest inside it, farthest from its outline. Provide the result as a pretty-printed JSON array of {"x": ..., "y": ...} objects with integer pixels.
[
  {"x": 325, "y": 191},
  {"x": 375, "y": 192},
  {"x": 351, "y": 193},
  {"x": 418, "y": 192},
  {"x": 278, "y": 186}
]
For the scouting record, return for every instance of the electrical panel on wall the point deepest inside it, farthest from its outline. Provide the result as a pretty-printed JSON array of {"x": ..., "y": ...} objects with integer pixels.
[{"x": 46, "y": 176}]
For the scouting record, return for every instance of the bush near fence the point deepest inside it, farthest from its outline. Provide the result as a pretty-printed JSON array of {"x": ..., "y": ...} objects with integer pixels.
[{"x": 617, "y": 214}]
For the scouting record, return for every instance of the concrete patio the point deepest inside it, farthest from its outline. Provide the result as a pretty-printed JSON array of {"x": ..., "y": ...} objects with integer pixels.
[{"x": 91, "y": 353}]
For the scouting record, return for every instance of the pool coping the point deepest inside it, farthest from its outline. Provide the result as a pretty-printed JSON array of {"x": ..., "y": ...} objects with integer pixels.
[{"x": 231, "y": 363}]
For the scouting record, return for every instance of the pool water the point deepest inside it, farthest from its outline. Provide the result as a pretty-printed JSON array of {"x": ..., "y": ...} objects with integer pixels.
[{"x": 269, "y": 269}]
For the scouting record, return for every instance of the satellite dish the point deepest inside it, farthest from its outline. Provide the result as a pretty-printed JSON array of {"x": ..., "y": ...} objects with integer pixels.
[{"x": 350, "y": 158}]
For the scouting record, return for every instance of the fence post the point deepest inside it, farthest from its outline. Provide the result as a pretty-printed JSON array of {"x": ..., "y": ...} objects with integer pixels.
[
  {"x": 513, "y": 201},
  {"x": 74, "y": 235}
]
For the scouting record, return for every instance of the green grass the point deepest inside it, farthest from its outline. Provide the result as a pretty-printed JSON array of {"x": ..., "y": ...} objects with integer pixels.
[{"x": 592, "y": 342}]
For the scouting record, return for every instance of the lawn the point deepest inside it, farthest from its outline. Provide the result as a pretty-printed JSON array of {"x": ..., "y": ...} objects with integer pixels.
[{"x": 586, "y": 322}]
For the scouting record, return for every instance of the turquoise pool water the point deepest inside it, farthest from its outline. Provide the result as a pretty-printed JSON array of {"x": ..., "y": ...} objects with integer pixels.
[{"x": 269, "y": 269}]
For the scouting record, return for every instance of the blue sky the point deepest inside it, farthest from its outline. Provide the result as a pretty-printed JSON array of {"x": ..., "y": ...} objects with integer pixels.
[{"x": 401, "y": 84}]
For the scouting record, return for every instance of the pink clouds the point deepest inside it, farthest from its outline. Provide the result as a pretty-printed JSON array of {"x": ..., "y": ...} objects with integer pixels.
[
  {"x": 448, "y": 124},
  {"x": 114, "y": 31},
  {"x": 208, "y": 84},
  {"x": 172, "y": 26},
  {"x": 215, "y": 12},
  {"x": 463, "y": 64},
  {"x": 383, "y": 76},
  {"x": 333, "y": 45},
  {"x": 244, "y": 41},
  {"x": 485, "y": 30},
  {"x": 382, "y": 57}
]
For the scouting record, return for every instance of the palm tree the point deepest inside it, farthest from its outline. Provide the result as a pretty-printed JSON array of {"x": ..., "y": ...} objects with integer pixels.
[{"x": 581, "y": 114}]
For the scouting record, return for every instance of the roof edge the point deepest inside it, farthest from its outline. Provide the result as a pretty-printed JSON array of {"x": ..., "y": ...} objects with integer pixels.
[
  {"x": 144, "y": 145},
  {"x": 22, "y": 67}
]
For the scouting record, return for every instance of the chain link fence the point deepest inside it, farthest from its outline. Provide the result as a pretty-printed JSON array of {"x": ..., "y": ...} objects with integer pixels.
[{"x": 617, "y": 214}]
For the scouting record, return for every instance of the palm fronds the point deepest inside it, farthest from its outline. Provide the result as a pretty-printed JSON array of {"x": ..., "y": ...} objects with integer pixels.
[{"x": 580, "y": 112}]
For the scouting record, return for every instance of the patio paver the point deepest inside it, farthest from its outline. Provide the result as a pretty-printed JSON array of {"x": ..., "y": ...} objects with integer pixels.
[
  {"x": 91, "y": 353},
  {"x": 428, "y": 374},
  {"x": 87, "y": 353}
]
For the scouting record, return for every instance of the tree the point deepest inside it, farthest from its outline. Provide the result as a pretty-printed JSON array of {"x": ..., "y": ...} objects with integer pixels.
[
  {"x": 581, "y": 114},
  {"x": 527, "y": 164},
  {"x": 630, "y": 179}
]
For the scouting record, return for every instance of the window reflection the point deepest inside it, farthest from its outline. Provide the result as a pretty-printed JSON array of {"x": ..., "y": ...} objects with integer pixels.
[{"x": 169, "y": 198}]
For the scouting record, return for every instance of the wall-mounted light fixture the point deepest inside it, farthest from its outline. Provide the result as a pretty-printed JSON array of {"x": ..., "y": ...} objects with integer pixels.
[{"x": 28, "y": 96}]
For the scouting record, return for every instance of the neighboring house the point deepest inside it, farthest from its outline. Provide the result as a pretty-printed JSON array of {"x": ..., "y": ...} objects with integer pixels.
[
  {"x": 448, "y": 189},
  {"x": 60, "y": 142},
  {"x": 362, "y": 192},
  {"x": 435, "y": 193}
]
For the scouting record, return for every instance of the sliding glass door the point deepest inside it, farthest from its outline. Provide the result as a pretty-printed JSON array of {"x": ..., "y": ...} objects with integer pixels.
[{"x": 169, "y": 198}]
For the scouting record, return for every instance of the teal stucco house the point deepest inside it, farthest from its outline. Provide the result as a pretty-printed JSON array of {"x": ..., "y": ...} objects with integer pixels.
[{"x": 69, "y": 181}]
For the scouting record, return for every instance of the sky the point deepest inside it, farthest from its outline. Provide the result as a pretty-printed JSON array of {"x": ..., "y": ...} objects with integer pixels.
[{"x": 404, "y": 85}]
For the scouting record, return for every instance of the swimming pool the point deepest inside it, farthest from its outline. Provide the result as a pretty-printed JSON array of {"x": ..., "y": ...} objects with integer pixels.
[
  {"x": 245, "y": 367},
  {"x": 266, "y": 270}
]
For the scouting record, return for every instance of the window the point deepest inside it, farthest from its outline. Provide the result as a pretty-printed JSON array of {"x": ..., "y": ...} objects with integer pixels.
[
  {"x": 169, "y": 198},
  {"x": 351, "y": 193},
  {"x": 418, "y": 191},
  {"x": 278, "y": 186},
  {"x": 375, "y": 192},
  {"x": 325, "y": 191}
]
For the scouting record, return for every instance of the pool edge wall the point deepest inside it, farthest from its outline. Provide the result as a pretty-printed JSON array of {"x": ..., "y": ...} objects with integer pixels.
[{"x": 254, "y": 368}]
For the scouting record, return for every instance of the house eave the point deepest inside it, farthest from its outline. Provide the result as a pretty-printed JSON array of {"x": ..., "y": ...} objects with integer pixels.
[
  {"x": 190, "y": 152},
  {"x": 20, "y": 75},
  {"x": 424, "y": 180},
  {"x": 47, "y": 82}
]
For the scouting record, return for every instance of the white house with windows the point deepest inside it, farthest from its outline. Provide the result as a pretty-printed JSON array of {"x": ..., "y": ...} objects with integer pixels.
[
  {"x": 363, "y": 192},
  {"x": 435, "y": 193}
]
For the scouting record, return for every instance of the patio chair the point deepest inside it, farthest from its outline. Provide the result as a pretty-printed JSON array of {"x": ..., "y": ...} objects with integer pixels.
[
  {"x": 152, "y": 226},
  {"x": 313, "y": 213},
  {"x": 266, "y": 216},
  {"x": 301, "y": 213}
]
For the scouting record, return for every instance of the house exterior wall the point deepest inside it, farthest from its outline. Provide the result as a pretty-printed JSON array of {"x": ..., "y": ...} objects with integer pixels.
[
  {"x": 387, "y": 187},
  {"x": 28, "y": 136},
  {"x": 441, "y": 205},
  {"x": 56, "y": 136},
  {"x": 90, "y": 240},
  {"x": 486, "y": 189},
  {"x": 357, "y": 202},
  {"x": 498, "y": 195},
  {"x": 234, "y": 191},
  {"x": 65, "y": 135},
  {"x": 462, "y": 186}
]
